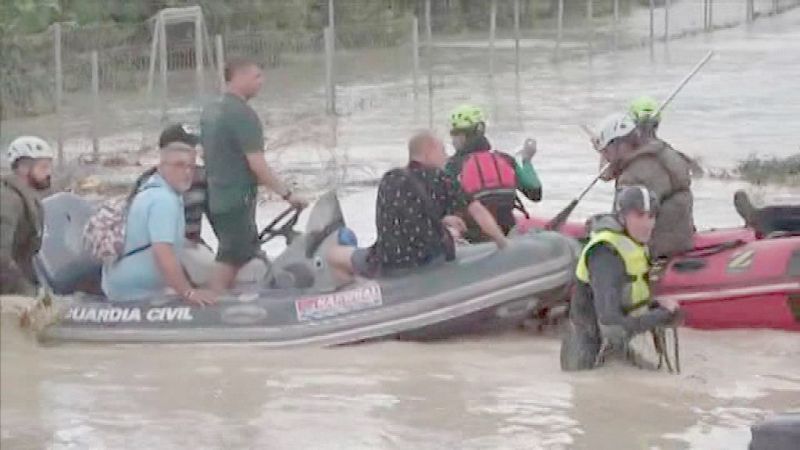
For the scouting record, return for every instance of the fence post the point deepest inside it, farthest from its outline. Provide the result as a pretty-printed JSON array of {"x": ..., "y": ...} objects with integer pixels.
[
  {"x": 560, "y": 29},
  {"x": 775, "y": 6},
  {"x": 492, "y": 33},
  {"x": 748, "y": 11},
  {"x": 516, "y": 37},
  {"x": 162, "y": 26},
  {"x": 220, "y": 51},
  {"x": 666, "y": 20},
  {"x": 415, "y": 53},
  {"x": 590, "y": 24},
  {"x": 710, "y": 15},
  {"x": 616, "y": 24},
  {"x": 59, "y": 91},
  {"x": 429, "y": 57},
  {"x": 331, "y": 22},
  {"x": 705, "y": 15},
  {"x": 330, "y": 85},
  {"x": 95, "y": 102},
  {"x": 199, "y": 61},
  {"x": 652, "y": 26}
]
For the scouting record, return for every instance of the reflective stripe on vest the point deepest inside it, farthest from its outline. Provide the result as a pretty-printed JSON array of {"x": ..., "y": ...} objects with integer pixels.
[
  {"x": 487, "y": 172},
  {"x": 636, "y": 262}
]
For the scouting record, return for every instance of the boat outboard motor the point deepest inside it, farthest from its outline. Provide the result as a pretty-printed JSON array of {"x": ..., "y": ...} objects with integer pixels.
[
  {"x": 62, "y": 263},
  {"x": 781, "y": 432}
]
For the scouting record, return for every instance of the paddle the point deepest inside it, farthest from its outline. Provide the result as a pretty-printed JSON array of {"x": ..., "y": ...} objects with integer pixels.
[{"x": 561, "y": 218}]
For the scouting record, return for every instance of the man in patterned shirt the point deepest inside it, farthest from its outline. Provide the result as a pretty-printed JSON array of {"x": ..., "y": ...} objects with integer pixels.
[{"x": 415, "y": 208}]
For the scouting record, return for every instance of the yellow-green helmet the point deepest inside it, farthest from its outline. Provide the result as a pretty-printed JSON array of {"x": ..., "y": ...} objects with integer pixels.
[
  {"x": 644, "y": 108},
  {"x": 466, "y": 117}
]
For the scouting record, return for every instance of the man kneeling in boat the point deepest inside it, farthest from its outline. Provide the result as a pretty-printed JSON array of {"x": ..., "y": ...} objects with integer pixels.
[
  {"x": 415, "y": 207},
  {"x": 612, "y": 302},
  {"x": 154, "y": 235}
]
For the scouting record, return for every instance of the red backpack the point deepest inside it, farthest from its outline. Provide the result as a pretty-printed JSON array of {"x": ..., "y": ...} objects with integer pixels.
[{"x": 488, "y": 172}]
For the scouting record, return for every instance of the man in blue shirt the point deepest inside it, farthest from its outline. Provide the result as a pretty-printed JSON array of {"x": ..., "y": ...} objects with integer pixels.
[{"x": 154, "y": 235}]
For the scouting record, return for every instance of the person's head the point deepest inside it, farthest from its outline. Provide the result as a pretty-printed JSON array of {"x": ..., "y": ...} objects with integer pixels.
[
  {"x": 466, "y": 123},
  {"x": 177, "y": 164},
  {"x": 636, "y": 208},
  {"x": 617, "y": 137},
  {"x": 644, "y": 112},
  {"x": 31, "y": 159},
  {"x": 243, "y": 77},
  {"x": 177, "y": 133},
  {"x": 427, "y": 149}
]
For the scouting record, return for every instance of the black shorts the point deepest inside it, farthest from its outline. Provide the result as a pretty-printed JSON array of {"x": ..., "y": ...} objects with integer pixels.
[{"x": 237, "y": 235}]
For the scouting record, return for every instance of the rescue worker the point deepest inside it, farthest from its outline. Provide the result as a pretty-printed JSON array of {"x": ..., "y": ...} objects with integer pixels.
[
  {"x": 21, "y": 216},
  {"x": 639, "y": 158},
  {"x": 488, "y": 175},
  {"x": 612, "y": 302}
]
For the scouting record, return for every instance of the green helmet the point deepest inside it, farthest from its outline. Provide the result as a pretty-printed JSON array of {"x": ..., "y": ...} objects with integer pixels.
[
  {"x": 466, "y": 117},
  {"x": 644, "y": 108}
]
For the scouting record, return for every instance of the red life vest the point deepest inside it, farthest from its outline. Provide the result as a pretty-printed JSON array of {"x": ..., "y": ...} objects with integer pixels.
[{"x": 488, "y": 173}]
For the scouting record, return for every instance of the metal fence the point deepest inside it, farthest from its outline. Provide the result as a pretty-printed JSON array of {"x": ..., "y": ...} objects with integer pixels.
[{"x": 86, "y": 86}]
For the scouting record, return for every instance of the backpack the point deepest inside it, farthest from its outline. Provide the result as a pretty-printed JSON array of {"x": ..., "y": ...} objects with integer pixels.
[
  {"x": 104, "y": 232},
  {"x": 488, "y": 173}
]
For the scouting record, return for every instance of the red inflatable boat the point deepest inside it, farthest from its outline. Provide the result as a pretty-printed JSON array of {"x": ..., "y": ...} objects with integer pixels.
[{"x": 731, "y": 279}]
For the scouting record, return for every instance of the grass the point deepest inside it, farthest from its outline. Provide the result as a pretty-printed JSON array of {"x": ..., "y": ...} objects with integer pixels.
[{"x": 770, "y": 170}]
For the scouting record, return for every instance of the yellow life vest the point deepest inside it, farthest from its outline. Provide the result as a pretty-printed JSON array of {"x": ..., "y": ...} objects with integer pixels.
[{"x": 636, "y": 262}]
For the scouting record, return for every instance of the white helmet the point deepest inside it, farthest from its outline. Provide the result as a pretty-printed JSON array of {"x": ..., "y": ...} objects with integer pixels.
[
  {"x": 613, "y": 127},
  {"x": 30, "y": 147}
]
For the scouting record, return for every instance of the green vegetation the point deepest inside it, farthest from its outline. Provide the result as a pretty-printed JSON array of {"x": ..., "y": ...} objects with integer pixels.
[{"x": 771, "y": 170}]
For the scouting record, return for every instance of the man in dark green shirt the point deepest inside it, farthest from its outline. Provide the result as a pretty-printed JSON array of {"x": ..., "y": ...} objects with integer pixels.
[{"x": 233, "y": 144}]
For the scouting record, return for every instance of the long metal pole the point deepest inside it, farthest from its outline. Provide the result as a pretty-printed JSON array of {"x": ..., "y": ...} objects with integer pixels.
[
  {"x": 666, "y": 20},
  {"x": 516, "y": 37},
  {"x": 59, "y": 91},
  {"x": 616, "y": 24},
  {"x": 95, "y": 102},
  {"x": 492, "y": 33},
  {"x": 163, "y": 65},
  {"x": 415, "y": 53},
  {"x": 220, "y": 51},
  {"x": 705, "y": 15},
  {"x": 560, "y": 29},
  {"x": 590, "y": 25},
  {"x": 429, "y": 57},
  {"x": 330, "y": 85},
  {"x": 331, "y": 16},
  {"x": 652, "y": 26},
  {"x": 199, "y": 61},
  {"x": 710, "y": 15}
]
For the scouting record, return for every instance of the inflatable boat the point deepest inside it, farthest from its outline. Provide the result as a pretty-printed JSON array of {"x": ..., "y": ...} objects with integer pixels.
[
  {"x": 298, "y": 302},
  {"x": 731, "y": 279}
]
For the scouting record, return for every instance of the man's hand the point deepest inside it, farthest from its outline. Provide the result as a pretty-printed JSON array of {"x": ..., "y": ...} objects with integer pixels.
[
  {"x": 297, "y": 201},
  {"x": 456, "y": 223},
  {"x": 200, "y": 297},
  {"x": 528, "y": 149},
  {"x": 668, "y": 304}
]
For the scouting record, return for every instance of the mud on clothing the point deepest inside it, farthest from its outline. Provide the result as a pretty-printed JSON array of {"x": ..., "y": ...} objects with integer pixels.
[
  {"x": 408, "y": 235},
  {"x": 21, "y": 225},
  {"x": 229, "y": 130},
  {"x": 666, "y": 172},
  {"x": 499, "y": 175},
  {"x": 598, "y": 308}
]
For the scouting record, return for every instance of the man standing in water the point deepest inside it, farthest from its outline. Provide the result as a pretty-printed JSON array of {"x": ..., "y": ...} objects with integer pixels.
[
  {"x": 612, "y": 301},
  {"x": 233, "y": 142},
  {"x": 639, "y": 158},
  {"x": 21, "y": 215}
]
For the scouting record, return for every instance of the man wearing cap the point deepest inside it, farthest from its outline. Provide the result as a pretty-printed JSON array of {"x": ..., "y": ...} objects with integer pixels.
[
  {"x": 21, "y": 217},
  {"x": 194, "y": 200},
  {"x": 641, "y": 159},
  {"x": 233, "y": 146},
  {"x": 612, "y": 302}
]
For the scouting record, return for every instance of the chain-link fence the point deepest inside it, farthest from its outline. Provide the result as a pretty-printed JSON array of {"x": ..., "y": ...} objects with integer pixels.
[{"x": 382, "y": 52}]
